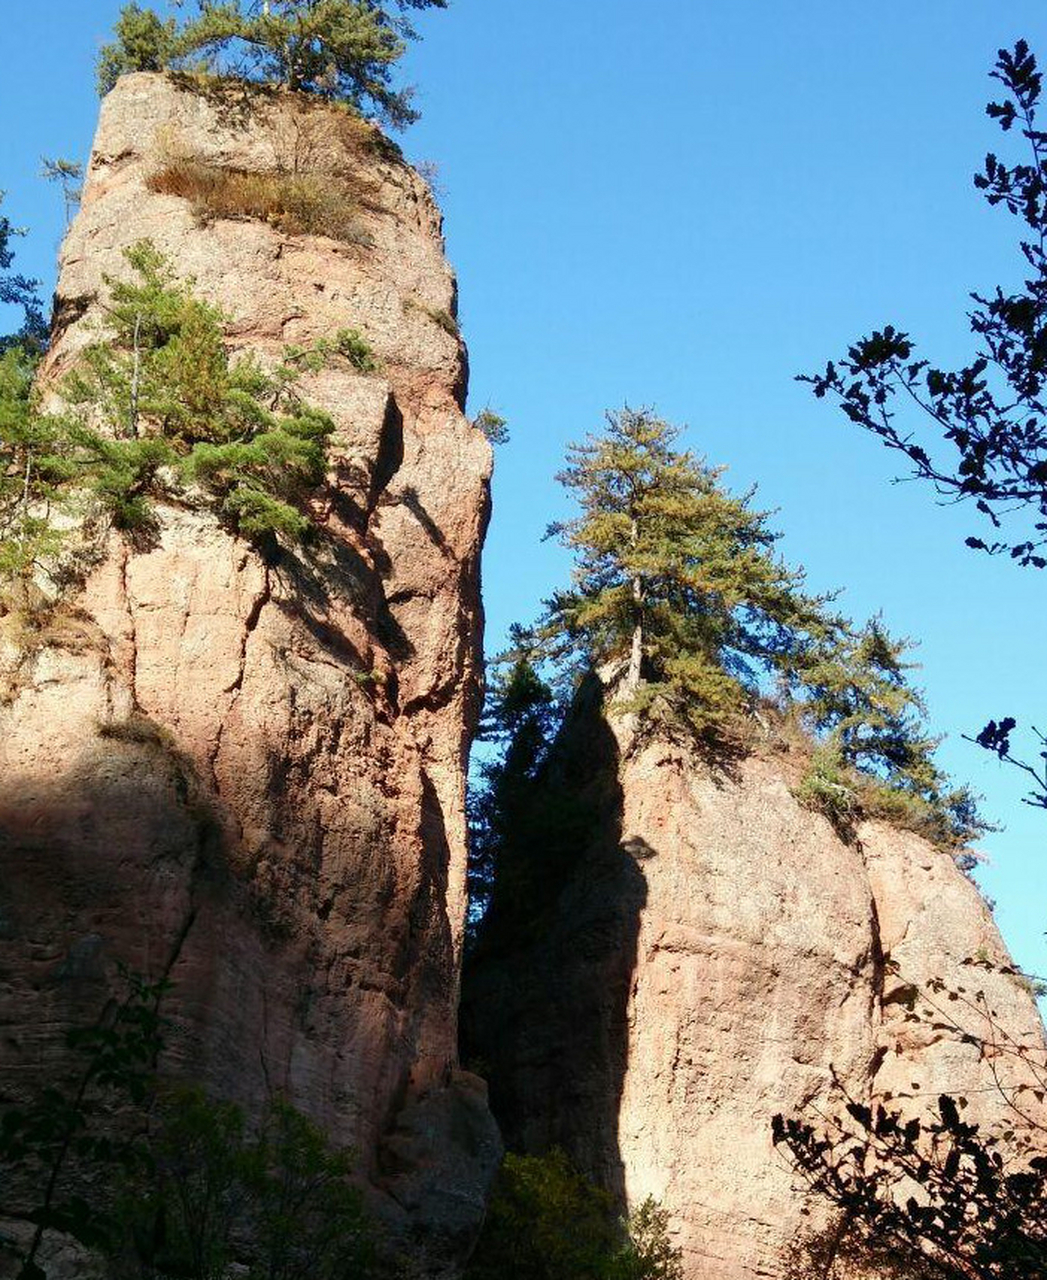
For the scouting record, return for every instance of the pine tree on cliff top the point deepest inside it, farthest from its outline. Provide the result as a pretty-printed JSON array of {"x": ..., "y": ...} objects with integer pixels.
[
  {"x": 675, "y": 579},
  {"x": 679, "y": 598},
  {"x": 341, "y": 49}
]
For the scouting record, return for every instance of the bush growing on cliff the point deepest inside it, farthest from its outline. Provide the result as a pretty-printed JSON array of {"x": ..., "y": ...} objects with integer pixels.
[
  {"x": 72, "y": 1137},
  {"x": 157, "y": 409},
  {"x": 164, "y": 1182},
  {"x": 546, "y": 1221},
  {"x": 341, "y": 49},
  {"x": 216, "y": 1200},
  {"x": 143, "y": 41}
]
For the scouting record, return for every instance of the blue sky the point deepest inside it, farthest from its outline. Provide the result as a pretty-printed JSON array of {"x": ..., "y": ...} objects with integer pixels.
[{"x": 684, "y": 204}]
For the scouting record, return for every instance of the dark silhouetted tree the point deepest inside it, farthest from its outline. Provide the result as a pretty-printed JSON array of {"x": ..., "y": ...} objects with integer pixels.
[{"x": 978, "y": 433}]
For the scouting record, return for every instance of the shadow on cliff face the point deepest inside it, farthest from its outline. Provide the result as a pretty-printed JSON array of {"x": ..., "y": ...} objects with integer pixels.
[
  {"x": 108, "y": 861},
  {"x": 545, "y": 996}
]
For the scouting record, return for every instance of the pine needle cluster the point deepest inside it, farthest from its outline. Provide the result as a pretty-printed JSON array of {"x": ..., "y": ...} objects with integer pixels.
[
  {"x": 158, "y": 410},
  {"x": 341, "y": 49},
  {"x": 680, "y": 601}
]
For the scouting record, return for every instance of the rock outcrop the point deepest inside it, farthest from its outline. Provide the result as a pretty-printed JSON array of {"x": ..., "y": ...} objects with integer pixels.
[
  {"x": 249, "y": 774},
  {"x": 709, "y": 959}
]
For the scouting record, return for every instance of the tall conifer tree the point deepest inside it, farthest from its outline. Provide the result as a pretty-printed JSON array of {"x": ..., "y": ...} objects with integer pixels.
[{"x": 675, "y": 580}]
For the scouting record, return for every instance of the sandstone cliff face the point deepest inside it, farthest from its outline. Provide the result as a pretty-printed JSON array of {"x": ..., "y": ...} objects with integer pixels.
[
  {"x": 714, "y": 954},
  {"x": 251, "y": 774}
]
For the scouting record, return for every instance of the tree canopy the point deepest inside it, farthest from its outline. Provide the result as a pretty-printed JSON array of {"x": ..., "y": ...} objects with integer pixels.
[
  {"x": 18, "y": 290},
  {"x": 157, "y": 409},
  {"x": 341, "y": 49},
  {"x": 679, "y": 597}
]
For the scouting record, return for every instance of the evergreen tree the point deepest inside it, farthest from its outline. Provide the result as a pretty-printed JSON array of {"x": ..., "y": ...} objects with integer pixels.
[
  {"x": 34, "y": 464},
  {"x": 157, "y": 409},
  {"x": 143, "y": 41},
  {"x": 520, "y": 822},
  {"x": 19, "y": 291},
  {"x": 161, "y": 405},
  {"x": 679, "y": 600},
  {"x": 675, "y": 581},
  {"x": 342, "y": 49}
]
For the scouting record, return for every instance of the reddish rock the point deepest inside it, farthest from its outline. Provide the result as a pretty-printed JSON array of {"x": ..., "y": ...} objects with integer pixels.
[
  {"x": 711, "y": 958},
  {"x": 251, "y": 775}
]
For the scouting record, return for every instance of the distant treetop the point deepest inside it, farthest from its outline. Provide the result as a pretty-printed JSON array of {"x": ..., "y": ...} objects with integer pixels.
[{"x": 339, "y": 49}]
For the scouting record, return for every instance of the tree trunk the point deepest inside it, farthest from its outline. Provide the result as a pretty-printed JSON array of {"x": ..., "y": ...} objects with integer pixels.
[{"x": 636, "y": 652}]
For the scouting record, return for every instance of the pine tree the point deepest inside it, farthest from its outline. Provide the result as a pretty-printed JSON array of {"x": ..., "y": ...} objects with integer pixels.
[
  {"x": 680, "y": 602},
  {"x": 675, "y": 583},
  {"x": 162, "y": 404},
  {"x": 19, "y": 291},
  {"x": 157, "y": 409},
  {"x": 342, "y": 49},
  {"x": 520, "y": 719},
  {"x": 34, "y": 465}
]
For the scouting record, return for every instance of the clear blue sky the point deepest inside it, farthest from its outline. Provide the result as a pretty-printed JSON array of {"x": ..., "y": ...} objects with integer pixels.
[{"x": 684, "y": 204}]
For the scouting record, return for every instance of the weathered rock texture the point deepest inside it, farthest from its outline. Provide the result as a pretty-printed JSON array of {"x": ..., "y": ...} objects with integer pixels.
[
  {"x": 251, "y": 774},
  {"x": 707, "y": 961}
]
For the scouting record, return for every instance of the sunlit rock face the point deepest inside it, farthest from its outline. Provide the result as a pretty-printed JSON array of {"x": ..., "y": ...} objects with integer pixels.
[
  {"x": 716, "y": 954},
  {"x": 249, "y": 774}
]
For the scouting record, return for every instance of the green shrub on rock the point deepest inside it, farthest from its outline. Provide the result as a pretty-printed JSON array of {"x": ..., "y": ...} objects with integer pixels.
[{"x": 546, "y": 1221}]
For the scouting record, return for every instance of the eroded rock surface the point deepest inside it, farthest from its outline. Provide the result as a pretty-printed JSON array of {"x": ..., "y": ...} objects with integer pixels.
[
  {"x": 711, "y": 958},
  {"x": 247, "y": 774}
]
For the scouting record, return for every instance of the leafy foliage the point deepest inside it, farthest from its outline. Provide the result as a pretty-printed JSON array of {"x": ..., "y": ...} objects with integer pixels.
[
  {"x": 547, "y": 1222},
  {"x": 987, "y": 421},
  {"x": 930, "y": 1196},
  {"x": 517, "y": 830},
  {"x": 143, "y": 41},
  {"x": 166, "y": 1182},
  {"x": 989, "y": 416},
  {"x": 674, "y": 576},
  {"x": 996, "y": 737},
  {"x": 342, "y": 49},
  {"x": 68, "y": 176},
  {"x": 19, "y": 291},
  {"x": 217, "y": 1201},
  {"x": 942, "y": 1197},
  {"x": 158, "y": 410},
  {"x": 307, "y": 1218},
  {"x": 34, "y": 465},
  {"x": 71, "y": 1126},
  {"x": 493, "y": 425},
  {"x": 679, "y": 597}
]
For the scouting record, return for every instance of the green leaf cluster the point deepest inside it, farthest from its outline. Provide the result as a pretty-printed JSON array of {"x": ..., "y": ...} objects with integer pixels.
[
  {"x": 218, "y": 1200},
  {"x": 73, "y": 1125},
  {"x": 164, "y": 1181},
  {"x": 19, "y": 291},
  {"x": 158, "y": 409},
  {"x": 522, "y": 837},
  {"x": 34, "y": 466},
  {"x": 142, "y": 41},
  {"x": 341, "y": 49},
  {"x": 545, "y": 1221}
]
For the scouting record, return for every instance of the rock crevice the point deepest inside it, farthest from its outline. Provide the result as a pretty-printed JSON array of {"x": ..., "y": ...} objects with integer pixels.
[
  {"x": 270, "y": 746},
  {"x": 654, "y": 1025}
]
